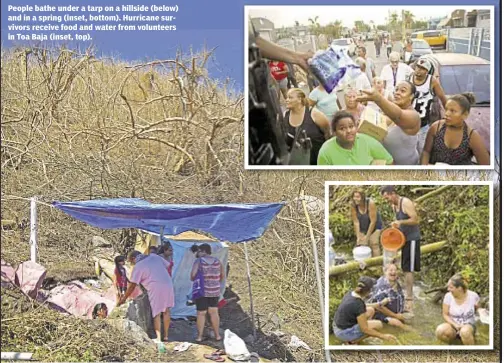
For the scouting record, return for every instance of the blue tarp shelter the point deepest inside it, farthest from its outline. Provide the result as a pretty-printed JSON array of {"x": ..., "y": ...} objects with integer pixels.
[{"x": 226, "y": 222}]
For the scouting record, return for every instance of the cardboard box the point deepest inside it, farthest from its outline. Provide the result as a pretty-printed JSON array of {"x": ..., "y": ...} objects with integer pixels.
[{"x": 373, "y": 123}]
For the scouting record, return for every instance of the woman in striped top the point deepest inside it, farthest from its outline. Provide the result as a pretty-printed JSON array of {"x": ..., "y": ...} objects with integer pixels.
[{"x": 213, "y": 275}]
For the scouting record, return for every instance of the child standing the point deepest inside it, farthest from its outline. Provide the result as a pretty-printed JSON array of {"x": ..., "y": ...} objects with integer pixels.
[{"x": 120, "y": 276}]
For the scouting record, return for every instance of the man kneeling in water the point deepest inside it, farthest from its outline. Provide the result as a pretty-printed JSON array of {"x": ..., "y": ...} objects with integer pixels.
[{"x": 387, "y": 287}]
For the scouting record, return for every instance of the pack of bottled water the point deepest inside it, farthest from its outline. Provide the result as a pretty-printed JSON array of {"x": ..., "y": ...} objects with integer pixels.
[{"x": 330, "y": 66}]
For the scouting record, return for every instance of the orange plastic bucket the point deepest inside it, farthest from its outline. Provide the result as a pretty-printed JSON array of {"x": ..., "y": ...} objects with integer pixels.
[{"x": 392, "y": 239}]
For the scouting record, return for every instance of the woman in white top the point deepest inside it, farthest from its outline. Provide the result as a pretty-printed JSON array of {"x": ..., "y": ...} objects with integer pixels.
[{"x": 459, "y": 313}]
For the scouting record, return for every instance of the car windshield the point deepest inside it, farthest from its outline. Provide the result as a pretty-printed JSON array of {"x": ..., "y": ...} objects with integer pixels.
[
  {"x": 340, "y": 42},
  {"x": 420, "y": 45},
  {"x": 473, "y": 78}
]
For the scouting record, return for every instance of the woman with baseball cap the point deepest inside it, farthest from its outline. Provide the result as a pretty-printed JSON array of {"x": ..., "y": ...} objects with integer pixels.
[{"x": 352, "y": 320}]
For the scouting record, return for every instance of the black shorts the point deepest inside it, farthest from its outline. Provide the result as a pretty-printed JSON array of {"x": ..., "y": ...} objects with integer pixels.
[
  {"x": 203, "y": 303},
  {"x": 410, "y": 256}
]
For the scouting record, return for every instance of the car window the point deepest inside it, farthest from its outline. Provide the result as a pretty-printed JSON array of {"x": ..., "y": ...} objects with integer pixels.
[
  {"x": 340, "y": 42},
  {"x": 431, "y": 34},
  {"x": 420, "y": 45},
  {"x": 414, "y": 36},
  {"x": 467, "y": 78}
]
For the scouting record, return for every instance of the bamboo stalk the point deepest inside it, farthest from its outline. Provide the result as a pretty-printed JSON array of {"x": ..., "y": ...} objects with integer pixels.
[
  {"x": 376, "y": 261},
  {"x": 432, "y": 194},
  {"x": 317, "y": 267}
]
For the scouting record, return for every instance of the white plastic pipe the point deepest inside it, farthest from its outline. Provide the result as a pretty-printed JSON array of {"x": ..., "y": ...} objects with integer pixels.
[
  {"x": 33, "y": 229},
  {"x": 16, "y": 356}
]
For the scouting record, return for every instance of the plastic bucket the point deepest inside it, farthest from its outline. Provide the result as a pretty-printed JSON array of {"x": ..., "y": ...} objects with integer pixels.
[
  {"x": 361, "y": 253},
  {"x": 392, "y": 239}
]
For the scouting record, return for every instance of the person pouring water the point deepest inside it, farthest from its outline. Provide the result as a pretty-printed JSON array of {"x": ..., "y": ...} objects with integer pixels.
[{"x": 408, "y": 222}]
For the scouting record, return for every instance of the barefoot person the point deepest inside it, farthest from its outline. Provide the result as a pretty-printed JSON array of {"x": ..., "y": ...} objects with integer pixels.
[
  {"x": 407, "y": 221},
  {"x": 352, "y": 320},
  {"x": 388, "y": 287},
  {"x": 213, "y": 276},
  {"x": 151, "y": 271},
  {"x": 459, "y": 313},
  {"x": 367, "y": 221}
]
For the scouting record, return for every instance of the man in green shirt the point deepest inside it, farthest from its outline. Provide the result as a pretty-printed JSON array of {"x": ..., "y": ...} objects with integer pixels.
[{"x": 348, "y": 147}]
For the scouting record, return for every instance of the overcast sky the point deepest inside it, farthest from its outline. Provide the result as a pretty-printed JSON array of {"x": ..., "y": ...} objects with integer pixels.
[{"x": 287, "y": 15}]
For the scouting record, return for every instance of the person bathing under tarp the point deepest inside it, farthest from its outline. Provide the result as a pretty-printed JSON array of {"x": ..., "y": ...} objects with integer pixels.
[
  {"x": 353, "y": 320},
  {"x": 151, "y": 271}
]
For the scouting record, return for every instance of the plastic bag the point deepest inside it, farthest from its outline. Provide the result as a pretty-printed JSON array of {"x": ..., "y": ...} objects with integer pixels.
[
  {"x": 235, "y": 347},
  {"x": 331, "y": 66}
]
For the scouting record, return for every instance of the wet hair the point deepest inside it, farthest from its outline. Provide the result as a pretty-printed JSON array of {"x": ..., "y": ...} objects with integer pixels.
[
  {"x": 205, "y": 247},
  {"x": 459, "y": 281},
  {"x": 300, "y": 93},
  {"x": 464, "y": 100},
  {"x": 97, "y": 308},
  {"x": 359, "y": 191},
  {"x": 387, "y": 189},
  {"x": 389, "y": 264},
  {"x": 364, "y": 285},
  {"x": 339, "y": 116}
]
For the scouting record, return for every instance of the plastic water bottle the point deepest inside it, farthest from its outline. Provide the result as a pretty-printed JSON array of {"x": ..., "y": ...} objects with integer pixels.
[{"x": 161, "y": 347}]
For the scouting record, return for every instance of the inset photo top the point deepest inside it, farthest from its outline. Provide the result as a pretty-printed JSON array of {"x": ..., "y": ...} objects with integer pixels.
[
  {"x": 375, "y": 87},
  {"x": 409, "y": 266}
]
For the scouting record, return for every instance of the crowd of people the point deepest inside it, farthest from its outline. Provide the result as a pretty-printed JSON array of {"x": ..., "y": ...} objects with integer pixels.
[
  {"x": 153, "y": 272},
  {"x": 403, "y": 94},
  {"x": 371, "y": 304}
]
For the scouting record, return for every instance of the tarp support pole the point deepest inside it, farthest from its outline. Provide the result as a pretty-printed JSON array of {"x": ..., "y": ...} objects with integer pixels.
[
  {"x": 317, "y": 270},
  {"x": 161, "y": 234},
  {"x": 250, "y": 292},
  {"x": 33, "y": 229}
]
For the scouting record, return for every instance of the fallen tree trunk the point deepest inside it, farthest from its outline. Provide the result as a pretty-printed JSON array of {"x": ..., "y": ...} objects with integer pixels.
[{"x": 376, "y": 261}]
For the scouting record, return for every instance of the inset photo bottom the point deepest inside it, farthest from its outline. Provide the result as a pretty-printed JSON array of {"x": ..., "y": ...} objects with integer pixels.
[{"x": 409, "y": 265}]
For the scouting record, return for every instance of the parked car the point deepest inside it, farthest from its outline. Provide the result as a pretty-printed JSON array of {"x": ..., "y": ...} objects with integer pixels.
[
  {"x": 459, "y": 73},
  {"x": 347, "y": 44},
  {"x": 435, "y": 38},
  {"x": 420, "y": 48}
]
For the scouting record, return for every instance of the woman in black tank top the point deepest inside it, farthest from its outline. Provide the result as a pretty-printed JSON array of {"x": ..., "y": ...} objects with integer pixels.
[
  {"x": 451, "y": 141},
  {"x": 305, "y": 123}
]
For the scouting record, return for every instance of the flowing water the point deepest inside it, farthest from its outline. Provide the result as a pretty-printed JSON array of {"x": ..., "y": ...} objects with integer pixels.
[{"x": 428, "y": 316}]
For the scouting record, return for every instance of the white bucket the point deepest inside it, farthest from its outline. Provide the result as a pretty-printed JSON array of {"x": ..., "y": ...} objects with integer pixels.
[{"x": 361, "y": 253}]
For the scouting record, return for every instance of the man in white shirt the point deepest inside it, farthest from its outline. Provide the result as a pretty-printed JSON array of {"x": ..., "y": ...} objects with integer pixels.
[
  {"x": 362, "y": 81},
  {"x": 370, "y": 66},
  {"x": 395, "y": 72}
]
